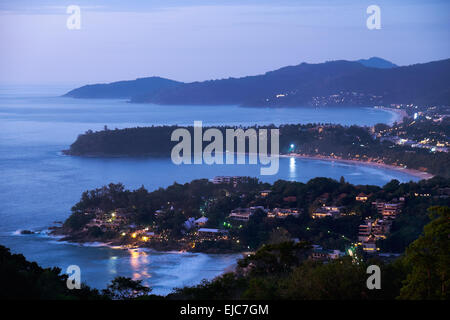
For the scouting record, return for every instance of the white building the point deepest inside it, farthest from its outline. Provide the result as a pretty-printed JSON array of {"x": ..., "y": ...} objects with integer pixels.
[{"x": 201, "y": 221}]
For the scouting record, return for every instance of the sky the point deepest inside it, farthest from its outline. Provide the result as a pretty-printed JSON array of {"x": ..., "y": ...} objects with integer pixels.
[{"x": 196, "y": 40}]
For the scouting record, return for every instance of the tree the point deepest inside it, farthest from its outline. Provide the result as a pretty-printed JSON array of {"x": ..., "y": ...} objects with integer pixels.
[
  {"x": 337, "y": 280},
  {"x": 279, "y": 235},
  {"x": 429, "y": 259},
  {"x": 125, "y": 288},
  {"x": 21, "y": 279}
]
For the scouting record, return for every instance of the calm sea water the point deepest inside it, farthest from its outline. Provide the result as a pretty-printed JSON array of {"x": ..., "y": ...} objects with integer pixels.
[{"x": 38, "y": 185}]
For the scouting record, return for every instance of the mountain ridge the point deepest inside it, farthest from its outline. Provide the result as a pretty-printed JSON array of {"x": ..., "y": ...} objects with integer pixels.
[
  {"x": 376, "y": 62},
  {"x": 331, "y": 83}
]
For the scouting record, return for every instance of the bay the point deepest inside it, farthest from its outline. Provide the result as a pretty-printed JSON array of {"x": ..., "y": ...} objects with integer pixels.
[{"x": 38, "y": 185}]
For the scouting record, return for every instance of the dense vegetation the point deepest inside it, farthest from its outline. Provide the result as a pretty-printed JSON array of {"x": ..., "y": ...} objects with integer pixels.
[
  {"x": 166, "y": 210},
  {"x": 21, "y": 279},
  {"x": 122, "y": 89},
  {"x": 275, "y": 271},
  {"x": 352, "y": 142},
  {"x": 280, "y": 271}
]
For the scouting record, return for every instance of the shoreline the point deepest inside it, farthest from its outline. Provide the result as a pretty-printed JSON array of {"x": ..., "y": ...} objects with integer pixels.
[
  {"x": 413, "y": 172},
  {"x": 90, "y": 243},
  {"x": 399, "y": 114},
  {"x": 169, "y": 247}
]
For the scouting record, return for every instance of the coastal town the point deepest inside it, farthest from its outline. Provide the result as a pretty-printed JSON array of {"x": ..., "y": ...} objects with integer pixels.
[
  {"x": 422, "y": 132},
  {"x": 239, "y": 214}
]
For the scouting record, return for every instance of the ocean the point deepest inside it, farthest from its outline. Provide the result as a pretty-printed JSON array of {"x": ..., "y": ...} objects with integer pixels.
[{"x": 39, "y": 185}]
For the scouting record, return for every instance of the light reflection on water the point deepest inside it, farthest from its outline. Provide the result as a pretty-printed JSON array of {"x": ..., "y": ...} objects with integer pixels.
[
  {"x": 139, "y": 263},
  {"x": 292, "y": 168}
]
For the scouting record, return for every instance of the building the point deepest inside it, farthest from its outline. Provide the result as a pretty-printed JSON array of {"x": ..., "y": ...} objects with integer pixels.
[
  {"x": 327, "y": 211},
  {"x": 244, "y": 214},
  {"x": 200, "y": 221},
  {"x": 290, "y": 199},
  {"x": 371, "y": 231},
  {"x": 265, "y": 193},
  {"x": 229, "y": 180},
  {"x": 281, "y": 213},
  {"x": 390, "y": 210},
  {"x": 209, "y": 232},
  {"x": 361, "y": 197},
  {"x": 379, "y": 205},
  {"x": 320, "y": 254},
  {"x": 189, "y": 223},
  {"x": 240, "y": 214},
  {"x": 378, "y": 228},
  {"x": 364, "y": 231},
  {"x": 370, "y": 245}
]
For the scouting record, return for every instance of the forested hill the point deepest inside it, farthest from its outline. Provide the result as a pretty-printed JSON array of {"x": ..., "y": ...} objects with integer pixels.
[
  {"x": 356, "y": 143},
  {"x": 331, "y": 83}
]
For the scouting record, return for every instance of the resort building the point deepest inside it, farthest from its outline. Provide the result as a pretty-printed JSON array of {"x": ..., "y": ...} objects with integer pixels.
[
  {"x": 241, "y": 214},
  {"x": 388, "y": 210},
  {"x": 244, "y": 214},
  {"x": 281, "y": 213},
  {"x": 229, "y": 180},
  {"x": 361, "y": 197},
  {"x": 371, "y": 231},
  {"x": 265, "y": 193},
  {"x": 200, "y": 221},
  {"x": 320, "y": 254},
  {"x": 212, "y": 233},
  {"x": 327, "y": 211},
  {"x": 391, "y": 210}
]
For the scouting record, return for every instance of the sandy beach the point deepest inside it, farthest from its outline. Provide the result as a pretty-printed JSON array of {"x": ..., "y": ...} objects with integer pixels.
[
  {"x": 413, "y": 172},
  {"x": 398, "y": 114}
]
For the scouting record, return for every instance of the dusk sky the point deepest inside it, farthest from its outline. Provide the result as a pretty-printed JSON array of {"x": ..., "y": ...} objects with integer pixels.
[{"x": 197, "y": 40}]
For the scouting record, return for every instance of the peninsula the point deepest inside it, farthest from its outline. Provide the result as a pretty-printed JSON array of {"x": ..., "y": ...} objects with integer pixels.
[
  {"x": 239, "y": 214},
  {"x": 419, "y": 144}
]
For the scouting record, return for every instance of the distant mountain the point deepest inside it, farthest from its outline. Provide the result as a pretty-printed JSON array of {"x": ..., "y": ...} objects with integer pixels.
[
  {"x": 324, "y": 84},
  {"x": 122, "y": 89},
  {"x": 376, "y": 62}
]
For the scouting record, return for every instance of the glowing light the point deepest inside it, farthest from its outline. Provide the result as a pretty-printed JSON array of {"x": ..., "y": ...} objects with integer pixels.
[
  {"x": 133, "y": 235},
  {"x": 292, "y": 167}
]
